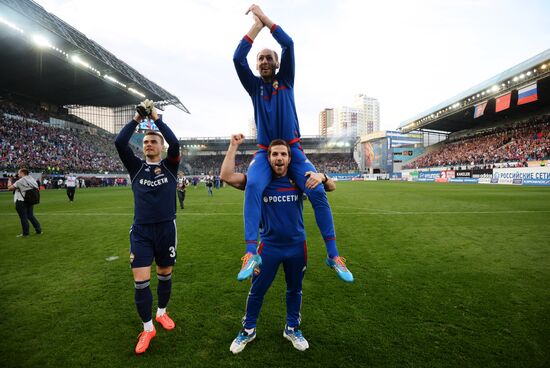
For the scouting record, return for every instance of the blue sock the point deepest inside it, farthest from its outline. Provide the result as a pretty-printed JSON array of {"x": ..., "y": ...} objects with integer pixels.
[
  {"x": 330, "y": 244},
  {"x": 251, "y": 246},
  {"x": 164, "y": 289},
  {"x": 144, "y": 300}
]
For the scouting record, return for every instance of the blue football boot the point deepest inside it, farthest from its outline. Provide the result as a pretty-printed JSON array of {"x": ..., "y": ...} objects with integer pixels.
[
  {"x": 250, "y": 262},
  {"x": 338, "y": 264}
]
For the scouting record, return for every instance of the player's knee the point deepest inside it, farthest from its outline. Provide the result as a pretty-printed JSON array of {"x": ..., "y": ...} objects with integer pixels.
[
  {"x": 164, "y": 270},
  {"x": 293, "y": 291}
]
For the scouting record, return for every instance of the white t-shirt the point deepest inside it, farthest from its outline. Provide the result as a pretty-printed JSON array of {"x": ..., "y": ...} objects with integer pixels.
[
  {"x": 71, "y": 181},
  {"x": 22, "y": 185}
]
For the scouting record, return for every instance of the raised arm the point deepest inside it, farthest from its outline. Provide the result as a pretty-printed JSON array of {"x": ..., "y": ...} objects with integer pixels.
[
  {"x": 286, "y": 69},
  {"x": 256, "y": 27},
  {"x": 173, "y": 144},
  {"x": 130, "y": 161},
  {"x": 258, "y": 13},
  {"x": 246, "y": 76},
  {"x": 227, "y": 172}
]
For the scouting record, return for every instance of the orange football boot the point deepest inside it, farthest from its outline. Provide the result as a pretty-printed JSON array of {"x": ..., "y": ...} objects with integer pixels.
[
  {"x": 166, "y": 321},
  {"x": 144, "y": 339}
]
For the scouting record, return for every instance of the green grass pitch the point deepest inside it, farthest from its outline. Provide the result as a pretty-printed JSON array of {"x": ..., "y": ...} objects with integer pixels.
[{"x": 446, "y": 276}]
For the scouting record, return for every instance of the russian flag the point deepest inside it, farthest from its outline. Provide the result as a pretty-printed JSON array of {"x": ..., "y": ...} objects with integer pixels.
[
  {"x": 479, "y": 109},
  {"x": 527, "y": 94}
]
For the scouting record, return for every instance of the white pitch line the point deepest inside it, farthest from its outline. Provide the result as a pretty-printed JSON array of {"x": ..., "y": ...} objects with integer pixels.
[
  {"x": 396, "y": 213},
  {"x": 367, "y": 208}
]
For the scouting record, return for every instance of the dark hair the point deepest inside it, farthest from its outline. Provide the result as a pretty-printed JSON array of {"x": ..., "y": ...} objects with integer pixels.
[
  {"x": 278, "y": 142},
  {"x": 24, "y": 171},
  {"x": 153, "y": 132}
]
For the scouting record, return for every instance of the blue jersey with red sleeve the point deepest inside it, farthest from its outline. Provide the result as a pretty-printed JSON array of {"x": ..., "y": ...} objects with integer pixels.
[
  {"x": 153, "y": 184},
  {"x": 274, "y": 107},
  {"x": 282, "y": 208}
]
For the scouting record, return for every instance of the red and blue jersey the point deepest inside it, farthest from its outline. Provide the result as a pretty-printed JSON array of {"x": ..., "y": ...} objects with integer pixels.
[
  {"x": 153, "y": 184},
  {"x": 274, "y": 107},
  {"x": 282, "y": 220}
]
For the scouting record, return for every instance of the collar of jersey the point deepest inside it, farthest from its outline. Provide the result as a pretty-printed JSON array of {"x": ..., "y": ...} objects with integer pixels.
[{"x": 152, "y": 163}]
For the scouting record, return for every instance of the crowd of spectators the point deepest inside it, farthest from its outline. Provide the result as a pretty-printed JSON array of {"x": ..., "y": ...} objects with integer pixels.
[
  {"x": 27, "y": 141},
  {"x": 325, "y": 162},
  {"x": 342, "y": 163},
  {"x": 516, "y": 143}
]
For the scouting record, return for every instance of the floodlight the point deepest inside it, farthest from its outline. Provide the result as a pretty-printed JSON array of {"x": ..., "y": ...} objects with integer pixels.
[
  {"x": 136, "y": 92},
  {"x": 41, "y": 41},
  {"x": 11, "y": 25},
  {"x": 114, "y": 80}
]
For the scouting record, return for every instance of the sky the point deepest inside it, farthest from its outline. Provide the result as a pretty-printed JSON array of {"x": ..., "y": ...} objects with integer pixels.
[{"x": 410, "y": 55}]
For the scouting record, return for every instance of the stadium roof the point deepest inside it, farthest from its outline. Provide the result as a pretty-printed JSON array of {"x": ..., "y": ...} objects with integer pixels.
[
  {"x": 456, "y": 113},
  {"x": 44, "y": 56},
  {"x": 219, "y": 144}
]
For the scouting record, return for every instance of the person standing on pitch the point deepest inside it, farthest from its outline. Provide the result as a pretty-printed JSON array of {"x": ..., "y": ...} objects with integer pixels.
[
  {"x": 275, "y": 115},
  {"x": 283, "y": 239},
  {"x": 209, "y": 183},
  {"x": 24, "y": 210},
  {"x": 70, "y": 183},
  {"x": 153, "y": 233},
  {"x": 183, "y": 183}
]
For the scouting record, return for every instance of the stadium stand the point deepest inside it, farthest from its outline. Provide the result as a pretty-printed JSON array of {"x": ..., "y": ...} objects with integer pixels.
[
  {"x": 60, "y": 99},
  {"x": 516, "y": 142},
  {"x": 27, "y": 140},
  {"x": 324, "y": 162}
]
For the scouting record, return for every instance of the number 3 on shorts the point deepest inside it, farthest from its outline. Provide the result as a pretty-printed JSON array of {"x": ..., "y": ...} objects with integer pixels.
[{"x": 172, "y": 251}]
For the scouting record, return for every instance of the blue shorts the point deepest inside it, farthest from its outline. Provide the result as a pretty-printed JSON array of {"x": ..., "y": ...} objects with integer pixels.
[{"x": 158, "y": 241}]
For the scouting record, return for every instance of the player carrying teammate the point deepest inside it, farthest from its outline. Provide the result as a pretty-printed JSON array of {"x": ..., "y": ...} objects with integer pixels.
[
  {"x": 275, "y": 115},
  {"x": 283, "y": 240}
]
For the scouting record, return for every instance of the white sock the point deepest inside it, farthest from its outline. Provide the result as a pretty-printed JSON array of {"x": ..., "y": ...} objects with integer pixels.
[
  {"x": 249, "y": 330},
  {"x": 160, "y": 312},
  {"x": 148, "y": 326}
]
